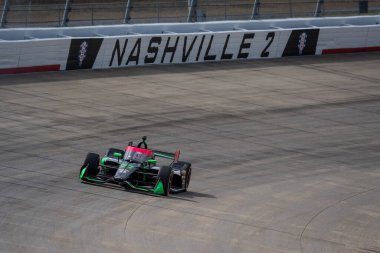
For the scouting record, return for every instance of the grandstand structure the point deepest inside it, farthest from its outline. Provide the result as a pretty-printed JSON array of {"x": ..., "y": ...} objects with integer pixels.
[{"x": 55, "y": 13}]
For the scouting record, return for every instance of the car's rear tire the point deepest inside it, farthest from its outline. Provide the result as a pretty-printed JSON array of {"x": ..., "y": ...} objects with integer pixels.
[
  {"x": 92, "y": 164},
  {"x": 188, "y": 176},
  {"x": 166, "y": 176},
  {"x": 184, "y": 166}
]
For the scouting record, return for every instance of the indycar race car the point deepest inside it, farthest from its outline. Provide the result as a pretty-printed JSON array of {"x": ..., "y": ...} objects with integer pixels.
[{"x": 137, "y": 168}]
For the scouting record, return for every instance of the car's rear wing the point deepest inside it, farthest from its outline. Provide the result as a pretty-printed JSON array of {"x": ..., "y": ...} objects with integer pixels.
[{"x": 168, "y": 155}]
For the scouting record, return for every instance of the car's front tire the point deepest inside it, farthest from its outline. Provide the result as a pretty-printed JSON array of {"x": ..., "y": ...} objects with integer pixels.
[
  {"x": 166, "y": 176},
  {"x": 90, "y": 165}
]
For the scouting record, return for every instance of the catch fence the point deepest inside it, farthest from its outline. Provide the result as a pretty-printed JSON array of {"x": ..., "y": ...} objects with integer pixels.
[{"x": 50, "y": 13}]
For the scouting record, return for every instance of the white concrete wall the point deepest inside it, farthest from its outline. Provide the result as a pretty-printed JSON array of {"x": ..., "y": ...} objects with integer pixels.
[
  {"x": 34, "y": 53},
  {"x": 342, "y": 37},
  {"x": 103, "y": 46}
]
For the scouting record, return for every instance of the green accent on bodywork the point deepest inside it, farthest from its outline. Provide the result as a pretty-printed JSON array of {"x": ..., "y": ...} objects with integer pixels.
[
  {"x": 117, "y": 154},
  {"x": 123, "y": 165},
  {"x": 152, "y": 161},
  {"x": 164, "y": 154},
  {"x": 138, "y": 188},
  {"x": 94, "y": 180},
  {"x": 159, "y": 189},
  {"x": 82, "y": 176},
  {"x": 82, "y": 172},
  {"x": 104, "y": 159}
]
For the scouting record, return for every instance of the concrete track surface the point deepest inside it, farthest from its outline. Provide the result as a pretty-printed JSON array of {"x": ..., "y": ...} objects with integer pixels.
[{"x": 285, "y": 153}]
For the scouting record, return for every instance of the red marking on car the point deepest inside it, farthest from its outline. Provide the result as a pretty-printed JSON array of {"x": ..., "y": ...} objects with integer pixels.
[
  {"x": 146, "y": 152},
  {"x": 176, "y": 156}
]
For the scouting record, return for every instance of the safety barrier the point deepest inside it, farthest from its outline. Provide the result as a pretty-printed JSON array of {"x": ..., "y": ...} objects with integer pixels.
[{"x": 100, "y": 47}]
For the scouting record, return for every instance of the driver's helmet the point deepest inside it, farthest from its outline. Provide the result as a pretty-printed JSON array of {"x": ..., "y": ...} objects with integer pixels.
[{"x": 137, "y": 155}]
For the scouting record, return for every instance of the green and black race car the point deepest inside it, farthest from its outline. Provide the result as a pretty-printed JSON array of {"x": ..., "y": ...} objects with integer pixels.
[{"x": 137, "y": 168}]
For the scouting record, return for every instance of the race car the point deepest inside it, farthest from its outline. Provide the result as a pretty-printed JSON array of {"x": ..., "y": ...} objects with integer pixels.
[{"x": 137, "y": 167}]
